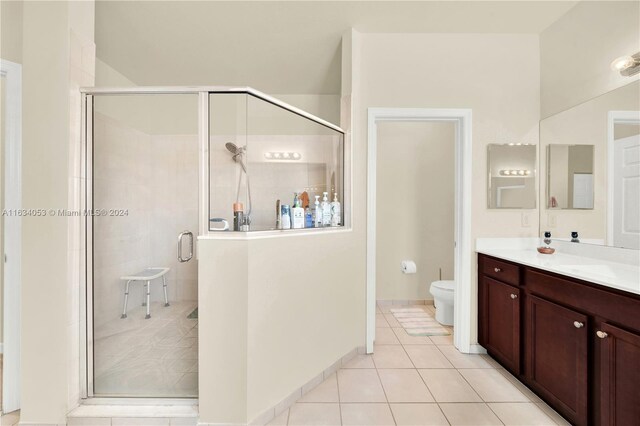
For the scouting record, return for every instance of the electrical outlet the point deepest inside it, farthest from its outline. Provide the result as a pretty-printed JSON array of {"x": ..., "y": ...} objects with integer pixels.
[
  {"x": 526, "y": 223},
  {"x": 551, "y": 220}
]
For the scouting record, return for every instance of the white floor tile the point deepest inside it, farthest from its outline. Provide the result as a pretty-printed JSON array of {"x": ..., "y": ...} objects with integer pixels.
[{"x": 366, "y": 415}]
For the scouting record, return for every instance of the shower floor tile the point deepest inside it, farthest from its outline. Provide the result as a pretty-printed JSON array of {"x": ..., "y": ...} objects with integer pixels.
[{"x": 155, "y": 357}]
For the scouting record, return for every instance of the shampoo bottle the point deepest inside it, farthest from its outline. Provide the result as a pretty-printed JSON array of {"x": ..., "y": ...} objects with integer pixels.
[
  {"x": 308, "y": 218},
  {"x": 297, "y": 215},
  {"x": 336, "y": 213},
  {"x": 286, "y": 218},
  {"x": 238, "y": 216},
  {"x": 326, "y": 210},
  {"x": 317, "y": 213}
]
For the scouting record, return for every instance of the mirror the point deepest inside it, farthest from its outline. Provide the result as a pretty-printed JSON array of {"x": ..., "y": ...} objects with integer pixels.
[
  {"x": 602, "y": 202},
  {"x": 570, "y": 176},
  {"x": 512, "y": 176}
]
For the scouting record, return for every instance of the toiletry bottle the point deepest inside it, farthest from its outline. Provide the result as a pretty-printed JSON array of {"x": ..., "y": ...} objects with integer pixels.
[
  {"x": 238, "y": 216},
  {"x": 308, "y": 218},
  {"x": 295, "y": 200},
  {"x": 574, "y": 237},
  {"x": 335, "y": 211},
  {"x": 278, "y": 215},
  {"x": 547, "y": 239},
  {"x": 317, "y": 213},
  {"x": 297, "y": 215},
  {"x": 326, "y": 210},
  {"x": 286, "y": 217}
]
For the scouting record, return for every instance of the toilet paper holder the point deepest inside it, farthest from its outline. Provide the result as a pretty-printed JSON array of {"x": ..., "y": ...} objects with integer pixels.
[{"x": 408, "y": 267}]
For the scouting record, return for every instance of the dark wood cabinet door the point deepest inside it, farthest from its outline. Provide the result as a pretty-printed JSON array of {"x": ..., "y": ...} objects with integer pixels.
[
  {"x": 556, "y": 361},
  {"x": 619, "y": 376},
  {"x": 502, "y": 323}
]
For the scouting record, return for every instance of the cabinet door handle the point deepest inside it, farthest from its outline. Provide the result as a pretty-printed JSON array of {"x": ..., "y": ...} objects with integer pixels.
[
  {"x": 601, "y": 334},
  {"x": 514, "y": 296},
  {"x": 578, "y": 324},
  {"x": 497, "y": 270}
]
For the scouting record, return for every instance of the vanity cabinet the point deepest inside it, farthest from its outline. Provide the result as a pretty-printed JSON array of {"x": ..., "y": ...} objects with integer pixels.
[
  {"x": 556, "y": 341},
  {"x": 574, "y": 343},
  {"x": 619, "y": 375},
  {"x": 502, "y": 325}
]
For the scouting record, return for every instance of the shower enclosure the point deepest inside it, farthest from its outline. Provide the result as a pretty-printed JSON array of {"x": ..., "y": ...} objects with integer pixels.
[{"x": 163, "y": 167}]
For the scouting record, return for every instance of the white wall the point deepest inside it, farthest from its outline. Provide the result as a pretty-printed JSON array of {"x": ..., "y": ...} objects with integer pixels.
[
  {"x": 11, "y": 31},
  {"x": 415, "y": 201},
  {"x": 576, "y": 52},
  {"x": 456, "y": 71},
  {"x": 56, "y": 58},
  {"x": 286, "y": 308}
]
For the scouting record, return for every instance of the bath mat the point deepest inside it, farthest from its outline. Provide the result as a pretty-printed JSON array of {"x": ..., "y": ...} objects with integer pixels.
[
  {"x": 417, "y": 322},
  {"x": 194, "y": 314}
]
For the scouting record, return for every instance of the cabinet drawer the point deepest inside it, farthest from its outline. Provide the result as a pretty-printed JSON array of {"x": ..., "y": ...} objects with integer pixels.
[
  {"x": 503, "y": 271},
  {"x": 602, "y": 303}
]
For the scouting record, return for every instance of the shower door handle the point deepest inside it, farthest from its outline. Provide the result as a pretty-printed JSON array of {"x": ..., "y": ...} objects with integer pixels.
[{"x": 182, "y": 234}]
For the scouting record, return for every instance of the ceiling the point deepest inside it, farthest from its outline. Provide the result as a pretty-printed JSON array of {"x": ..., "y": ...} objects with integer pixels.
[{"x": 290, "y": 47}]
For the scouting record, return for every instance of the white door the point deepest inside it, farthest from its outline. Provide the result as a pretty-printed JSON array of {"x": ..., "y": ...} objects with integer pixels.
[
  {"x": 582, "y": 191},
  {"x": 626, "y": 192}
]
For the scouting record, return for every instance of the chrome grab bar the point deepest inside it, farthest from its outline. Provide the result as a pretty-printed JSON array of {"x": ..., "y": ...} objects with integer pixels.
[{"x": 182, "y": 234}]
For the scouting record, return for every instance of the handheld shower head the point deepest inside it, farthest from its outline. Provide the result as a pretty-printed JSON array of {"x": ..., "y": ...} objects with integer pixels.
[{"x": 233, "y": 148}]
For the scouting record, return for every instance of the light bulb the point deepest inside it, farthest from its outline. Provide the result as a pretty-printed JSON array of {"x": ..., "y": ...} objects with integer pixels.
[
  {"x": 296, "y": 156},
  {"x": 622, "y": 63},
  {"x": 268, "y": 155},
  {"x": 276, "y": 155},
  {"x": 521, "y": 172}
]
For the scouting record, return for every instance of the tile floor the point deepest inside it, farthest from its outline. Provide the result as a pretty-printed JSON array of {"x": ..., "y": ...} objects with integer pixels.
[
  {"x": 418, "y": 381},
  {"x": 10, "y": 419},
  {"x": 155, "y": 357}
]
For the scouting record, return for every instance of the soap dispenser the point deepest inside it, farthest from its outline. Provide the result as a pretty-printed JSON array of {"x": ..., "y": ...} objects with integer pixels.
[
  {"x": 317, "y": 213},
  {"x": 326, "y": 210},
  {"x": 336, "y": 214},
  {"x": 546, "y": 247}
]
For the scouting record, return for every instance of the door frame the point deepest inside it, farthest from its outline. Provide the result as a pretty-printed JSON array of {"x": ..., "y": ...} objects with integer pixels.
[
  {"x": 12, "y": 157},
  {"x": 462, "y": 118},
  {"x": 613, "y": 118}
]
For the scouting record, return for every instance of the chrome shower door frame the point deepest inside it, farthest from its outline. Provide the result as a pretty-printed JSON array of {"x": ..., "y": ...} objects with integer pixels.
[{"x": 86, "y": 274}]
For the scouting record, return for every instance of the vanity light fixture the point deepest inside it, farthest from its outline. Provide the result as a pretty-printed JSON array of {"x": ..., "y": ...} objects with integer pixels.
[
  {"x": 627, "y": 65},
  {"x": 511, "y": 172},
  {"x": 288, "y": 156}
]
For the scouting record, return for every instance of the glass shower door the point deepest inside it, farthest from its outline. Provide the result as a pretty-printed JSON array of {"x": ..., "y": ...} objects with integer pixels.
[{"x": 145, "y": 180}]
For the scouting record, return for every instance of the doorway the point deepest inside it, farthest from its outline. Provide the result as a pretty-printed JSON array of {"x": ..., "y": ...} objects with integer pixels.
[{"x": 461, "y": 120}]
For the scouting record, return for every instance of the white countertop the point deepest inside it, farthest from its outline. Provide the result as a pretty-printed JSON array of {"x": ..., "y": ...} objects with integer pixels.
[{"x": 620, "y": 276}]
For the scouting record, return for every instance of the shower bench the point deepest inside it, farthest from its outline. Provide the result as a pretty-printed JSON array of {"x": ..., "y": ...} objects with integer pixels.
[{"x": 148, "y": 275}]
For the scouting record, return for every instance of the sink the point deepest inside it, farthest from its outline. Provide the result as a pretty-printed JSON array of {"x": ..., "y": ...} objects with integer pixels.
[{"x": 602, "y": 270}]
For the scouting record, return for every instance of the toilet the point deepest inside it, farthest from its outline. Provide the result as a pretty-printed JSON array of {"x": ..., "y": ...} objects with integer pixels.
[{"x": 442, "y": 292}]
